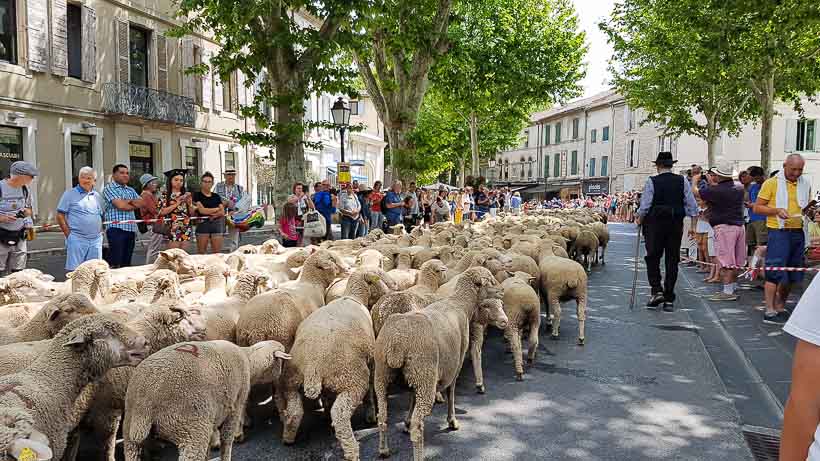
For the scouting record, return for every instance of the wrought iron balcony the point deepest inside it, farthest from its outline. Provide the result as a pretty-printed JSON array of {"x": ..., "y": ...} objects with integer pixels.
[{"x": 148, "y": 104}]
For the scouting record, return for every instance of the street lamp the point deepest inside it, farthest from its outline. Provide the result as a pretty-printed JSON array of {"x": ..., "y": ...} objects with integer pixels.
[{"x": 341, "y": 118}]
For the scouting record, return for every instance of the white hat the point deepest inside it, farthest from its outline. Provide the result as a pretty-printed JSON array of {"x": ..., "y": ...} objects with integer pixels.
[{"x": 725, "y": 168}]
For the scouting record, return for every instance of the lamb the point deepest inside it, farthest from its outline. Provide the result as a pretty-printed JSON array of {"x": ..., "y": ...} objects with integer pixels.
[
  {"x": 429, "y": 347},
  {"x": 222, "y": 317},
  {"x": 563, "y": 279},
  {"x": 216, "y": 374},
  {"x": 586, "y": 244},
  {"x": 276, "y": 315},
  {"x": 42, "y": 396},
  {"x": 50, "y": 319},
  {"x": 332, "y": 353},
  {"x": 490, "y": 312},
  {"x": 523, "y": 308}
]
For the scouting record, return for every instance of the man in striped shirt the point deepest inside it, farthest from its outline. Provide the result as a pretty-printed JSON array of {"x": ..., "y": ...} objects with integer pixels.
[{"x": 120, "y": 202}]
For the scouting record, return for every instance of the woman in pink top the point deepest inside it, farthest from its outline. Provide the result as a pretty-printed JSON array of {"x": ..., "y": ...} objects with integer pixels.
[{"x": 287, "y": 226}]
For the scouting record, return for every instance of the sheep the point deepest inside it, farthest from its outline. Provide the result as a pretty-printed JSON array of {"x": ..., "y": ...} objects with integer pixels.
[
  {"x": 332, "y": 353},
  {"x": 43, "y": 394},
  {"x": 42, "y": 287},
  {"x": 369, "y": 258},
  {"x": 279, "y": 268},
  {"x": 51, "y": 318},
  {"x": 586, "y": 244},
  {"x": 222, "y": 317},
  {"x": 523, "y": 308},
  {"x": 429, "y": 347},
  {"x": 431, "y": 276},
  {"x": 211, "y": 288},
  {"x": 91, "y": 278},
  {"x": 10, "y": 290},
  {"x": 490, "y": 312},
  {"x": 404, "y": 274},
  {"x": 276, "y": 315},
  {"x": 104, "y": 403},
  {"x": 216, "y": 375},
  {"x": 602, "y": 232},
  {"x": 271, "y": 247},
  {"x": 563, "y": 279},
  {"x": 15, "y": 315},
  {"x": 247, "y": 250}
]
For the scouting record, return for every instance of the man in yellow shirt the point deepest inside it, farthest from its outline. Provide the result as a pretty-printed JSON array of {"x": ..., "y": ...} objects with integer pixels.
[{"x": 786, "y": 241}]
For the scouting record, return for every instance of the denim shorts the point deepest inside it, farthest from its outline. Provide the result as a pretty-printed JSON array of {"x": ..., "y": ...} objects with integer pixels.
[
  {"x": 79, "y": 250},
  {"x": 785, "y": 249},
  {"x": 211, "y": 227}
]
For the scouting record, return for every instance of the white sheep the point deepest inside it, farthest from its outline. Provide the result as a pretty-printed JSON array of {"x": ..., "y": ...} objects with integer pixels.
[
  {"x": 563, "y": 279},
  {"x": 42, "y": 396},
  {"x": 586, "y": 246},
  {"x": 217, "y": 375},
  {"x": 429, "y": 347},
  {"x": 222, "y": 317},
  {"x": 331, "y": 353},
  {"x": 50, "y": 319}
]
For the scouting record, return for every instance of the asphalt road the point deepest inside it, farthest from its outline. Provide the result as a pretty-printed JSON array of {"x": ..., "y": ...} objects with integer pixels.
[{"x": 643, "y": 388}]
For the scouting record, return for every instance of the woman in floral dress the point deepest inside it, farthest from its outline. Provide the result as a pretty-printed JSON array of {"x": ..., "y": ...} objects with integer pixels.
[{"x": 176, "y": 205}]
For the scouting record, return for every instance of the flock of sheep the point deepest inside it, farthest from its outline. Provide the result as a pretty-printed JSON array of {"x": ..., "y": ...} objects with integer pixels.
[{"x": 172, "y": 350}]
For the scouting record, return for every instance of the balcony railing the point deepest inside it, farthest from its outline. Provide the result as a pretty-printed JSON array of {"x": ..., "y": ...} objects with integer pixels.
[{"x": 148, "y": 104}]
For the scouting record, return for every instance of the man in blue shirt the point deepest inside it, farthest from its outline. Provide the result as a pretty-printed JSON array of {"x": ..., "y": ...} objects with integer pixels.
[
  {"x": 324, "y": 202},
  {"x": 394, "y": 205},
  {"x": 120, "y": 202},
  {"x": 79, "y": 215}
]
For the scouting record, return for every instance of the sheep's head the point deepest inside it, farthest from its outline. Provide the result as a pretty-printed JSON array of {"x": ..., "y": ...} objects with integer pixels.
[
  {"x": 527, "y": 278},
  {"x": 267, "y": 359},
  {"x": 17, "y": 434},
  {"x": 101, "y": 343},
  {"x": 236, "y": 262},
  {"x": 297, "y": 258},
  {"x": 437, "y": 268},
  {"x": 376, "y": 276},
  {"x": 162, "y": 284},
  {"x": 478, "y": 277},
  {"x": 177, "y": 260},
  {"x": 271, "y": 246},
  {"x": 369, "y": 258},
  {"x": 174, "y": 324},
  {"x": 491, "y": 312},
  {"x": 247, "y": 250},
  {"x": 329, "y": 262},
  {"x": 63, "y": 309},
  {"x": 249, "y": 284}
]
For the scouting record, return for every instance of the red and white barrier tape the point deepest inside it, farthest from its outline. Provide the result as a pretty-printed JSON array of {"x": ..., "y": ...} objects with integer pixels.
[
  {"x": 749, "y": 269},
  {"x": 130, "y": 221}
]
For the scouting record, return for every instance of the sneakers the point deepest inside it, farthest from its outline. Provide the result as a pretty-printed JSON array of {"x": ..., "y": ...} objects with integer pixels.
[
  {"x": 779, "y": 318},
  {"x": 721, "y": 296},
  {"x": 656, "y": 300}
]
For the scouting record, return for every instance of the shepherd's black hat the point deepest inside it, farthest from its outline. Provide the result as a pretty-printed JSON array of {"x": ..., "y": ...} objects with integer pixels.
[
  {"x": 175, "y": 172},
  {"x": 665, "y": 159}
]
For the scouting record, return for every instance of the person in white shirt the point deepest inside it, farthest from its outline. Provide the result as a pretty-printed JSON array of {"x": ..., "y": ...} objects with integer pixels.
[
  {"x": 350, "y": 209},
  {"x": 800, "y": 440}
]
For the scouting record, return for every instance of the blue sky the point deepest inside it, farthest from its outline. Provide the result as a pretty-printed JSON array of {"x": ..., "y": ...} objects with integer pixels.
[{"x": 590, "y": 12}]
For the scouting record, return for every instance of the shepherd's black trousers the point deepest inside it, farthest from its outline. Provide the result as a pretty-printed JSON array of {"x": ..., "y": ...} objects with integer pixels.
[{"x": 663, "y": 238}]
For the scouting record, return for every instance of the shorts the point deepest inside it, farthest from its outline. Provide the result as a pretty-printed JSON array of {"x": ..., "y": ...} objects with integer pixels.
[
  {"x": 703, "y": 226},
  {"x": 13, "y": 257},
  {"x": 216, "y": 226},
  {"x": 757, "y": 233},
  {"x": 730, "y": 245},
  {"x": 710, "y": 242},
  {"x": 79, "y": 250},
  {"x": 785, "y": 249}
]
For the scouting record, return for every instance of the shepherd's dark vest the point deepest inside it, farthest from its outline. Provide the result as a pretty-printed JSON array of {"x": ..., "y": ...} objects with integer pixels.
[{"x": 668, "y": 193}]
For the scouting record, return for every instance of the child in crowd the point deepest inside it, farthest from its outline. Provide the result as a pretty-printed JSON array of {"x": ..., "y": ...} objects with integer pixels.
[{"x": 287, "y": 226}]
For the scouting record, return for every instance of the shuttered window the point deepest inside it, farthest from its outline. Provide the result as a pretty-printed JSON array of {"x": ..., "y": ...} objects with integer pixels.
[
  {"x": 197, "y": 52},
  {"x": 123, "y": 60},
  {"x": 558, "y": 133},
  {"x": 138, "y": 40},
  {"x": 574, "y": 163},
  {"x": 207, "y": 81},
  {"x": 219, "y": 92},
  {"x": 162, "y": 63},
  {"x": 89, "y": 44},
  {"x": 8, "y": 31},
  {"x": 547, "y": 165},
  {"x": 592, "y": 167},
  {"x": 605, "y": 134},
  {"x": 241, "y": 95},
  {"x": 605, "y": 165},
  {"x": 59, "y": 38},
  {"x": 75, "y": 40},
  {"x": 188, "y": 79},
  {"x": 556, "y": 165},
  {"x": 37, "y": 14},
  {"x": 230, "y": 160}
]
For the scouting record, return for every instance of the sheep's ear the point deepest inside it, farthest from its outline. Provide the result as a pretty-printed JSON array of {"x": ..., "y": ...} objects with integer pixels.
[
  {"x": 52, "y": 316},
  {"x": 181, "y": 313},
  {"x": 76, "y": 339},
  {"x": 167, "y": 255},
  {"x": 70, "y": 275},
  {"x": 282, "y": 355}
]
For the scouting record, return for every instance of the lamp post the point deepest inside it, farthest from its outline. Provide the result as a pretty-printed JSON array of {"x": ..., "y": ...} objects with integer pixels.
[{"x": 341, "y": 118}]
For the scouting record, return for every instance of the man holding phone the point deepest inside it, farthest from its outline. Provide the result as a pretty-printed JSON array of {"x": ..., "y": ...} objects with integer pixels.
[{"x": 782, "y": 199}]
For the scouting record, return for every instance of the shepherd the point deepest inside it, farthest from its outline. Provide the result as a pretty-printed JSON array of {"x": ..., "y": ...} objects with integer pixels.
[{"x": 666, "y": 201}]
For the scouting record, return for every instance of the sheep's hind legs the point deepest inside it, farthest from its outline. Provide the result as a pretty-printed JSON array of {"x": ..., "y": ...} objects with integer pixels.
[
  {"x": 451, "y": 408},
  {"x": 514, "y": 338},
  {"x": 424, "y": 406},
  {"x": 340, "y": 414}
]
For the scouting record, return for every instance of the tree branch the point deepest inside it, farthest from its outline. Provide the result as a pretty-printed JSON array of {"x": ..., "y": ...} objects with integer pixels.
[{"x": 372, "y": 85}]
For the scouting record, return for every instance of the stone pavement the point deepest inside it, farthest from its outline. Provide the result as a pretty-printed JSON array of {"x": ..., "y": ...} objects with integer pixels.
[{"x": 643, "y": 388}]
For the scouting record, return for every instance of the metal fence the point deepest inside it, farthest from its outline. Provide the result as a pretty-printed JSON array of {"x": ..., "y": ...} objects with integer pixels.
[{"x": 148, "y": 104}]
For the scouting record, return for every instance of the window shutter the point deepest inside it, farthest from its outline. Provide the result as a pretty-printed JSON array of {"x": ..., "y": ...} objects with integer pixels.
[
  {"x": 234, "y": 102},
  {"x": 218, "y": 92},
  {"x": 241, "y": 90},
  {"x": 162, "y": 63},
  {"x": 791, "y": 135},
  {"x": 89, "y": 39},
  {"x": 123, "y": 61},
  {"x": 207, "y": 86},
  {"x": 626, "y": 117},
  {"x": 37, "y": 13},
  {"x": 59, "y": 37},
  {"x": 188, "y": 80}
]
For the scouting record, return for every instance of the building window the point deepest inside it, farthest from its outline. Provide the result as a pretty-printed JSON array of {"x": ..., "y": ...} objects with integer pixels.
[
  {"x": 574, "y": 163},
  {"x": 558, "y": 133},
  {"x": 81, "y": 155},
  {"x": 192, "y": 163},
  {"x": 630, "y": 118},
  {"x": 575, "y": 123},
  {"x": 529, "y": 170},
  {"x": 521, "y": 171},
  {"x": 229, "y": 101},
  {"x": 546, "y": 166},
  {"x": 11, "y": 148},
  {"x": 806, "y": 134},
  {"x": 605, "y": 165},
  {"x": 506, "y": 169},
  {"x": 556, "y": 165},
  {"x": 632, "y": 155},
  {"x": 593, "y": 135},
  {"x": 547, "y": 135},
  {"x": 74, "y": 30},
  {"x": 8, "y": 31},
  {"x": 605, "y": 134},
  {"x": 526, "y": 143},
  {"x": 139, "y": 39},
  {"x": 198, "y": 79},
  {"x": 141, "y": 161},
  {"x": 230, "y": 160},
  {"x": 357, "y": 108},
  {"x": 592, "y": 167}
]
